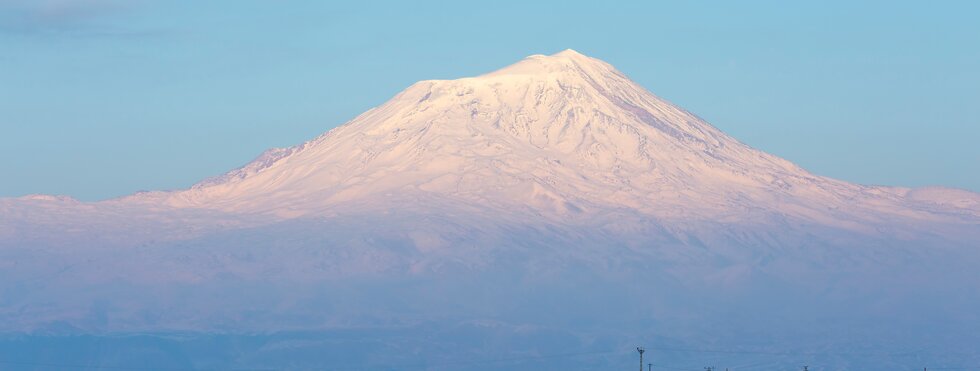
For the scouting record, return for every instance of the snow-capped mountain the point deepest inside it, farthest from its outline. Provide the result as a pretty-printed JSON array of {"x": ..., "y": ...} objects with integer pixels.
[
  {"x": 564, "y": 136},
  {"x": 527, "y": 203}
]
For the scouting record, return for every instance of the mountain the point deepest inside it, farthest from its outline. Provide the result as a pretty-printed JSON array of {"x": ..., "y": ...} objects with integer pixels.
[
  {"x": 552, "y": 204},
  {"x": 564, "y": 136}
]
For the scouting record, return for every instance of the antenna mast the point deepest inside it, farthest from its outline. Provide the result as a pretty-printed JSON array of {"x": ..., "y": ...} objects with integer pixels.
[{"x": 641, "y": 350}]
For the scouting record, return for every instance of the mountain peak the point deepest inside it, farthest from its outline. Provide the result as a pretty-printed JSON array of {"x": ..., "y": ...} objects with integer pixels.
[
  {"x": 569, "y": 53},
  {"x": 565, "y": 62}
]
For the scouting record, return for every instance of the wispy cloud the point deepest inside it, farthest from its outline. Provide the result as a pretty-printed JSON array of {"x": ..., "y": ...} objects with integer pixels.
[{"x": 65, "y": 17}]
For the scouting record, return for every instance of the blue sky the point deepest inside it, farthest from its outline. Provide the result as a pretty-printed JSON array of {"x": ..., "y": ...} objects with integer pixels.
[{"x": 101, "y": 98}]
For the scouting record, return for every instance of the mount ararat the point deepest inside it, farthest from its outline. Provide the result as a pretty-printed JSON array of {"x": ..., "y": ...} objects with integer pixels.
[{"x": 550, "y": 205}]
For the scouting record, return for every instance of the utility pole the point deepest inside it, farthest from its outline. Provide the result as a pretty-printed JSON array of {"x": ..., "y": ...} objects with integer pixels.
[
  {"x": 806, "y": 368},
  {"x": 649, "y": 366},
  {"x": 641, "y": 350},
  {"x": 709, "y": 368}
]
